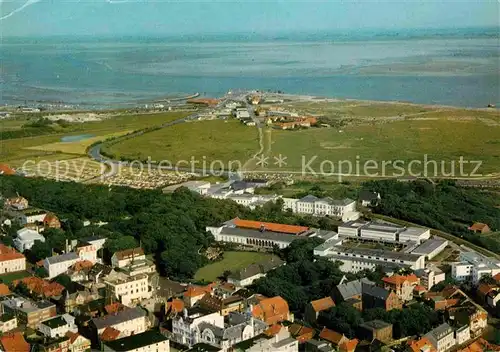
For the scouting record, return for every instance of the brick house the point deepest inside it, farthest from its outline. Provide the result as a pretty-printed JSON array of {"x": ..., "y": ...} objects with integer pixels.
[
  {"x": 272, "y": 310},
  {"x": 376, "y": 330},
  {"x": 313, "y": 308},
  {"x": 403, "y": 285},
  {"x": 479, "y": 227},
  {"x": 379, "y": 297}
]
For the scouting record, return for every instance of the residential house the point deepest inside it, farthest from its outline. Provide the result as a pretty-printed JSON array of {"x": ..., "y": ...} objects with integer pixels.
[
  {"x": 16, "y": 203},
  {"x": 276, "y": 339},
  {"x": 185, "y": 327},
  {"x": 403, "y": 285},
  {"x": 483, "y": 290},
  {"x": 28, "y": 312},
  {"x": 58, "y": 326},
  {"x": 174, "y": 308},
  {"x": 442, "y": 338},
  {"x": 194, "y": 293},
  {"x": 51, "y": 221},
  {"x": 493, "y": 298},
  {"x": 77, "y": 343},
  {"x": 124, "y": 258},
  {"x": 26, "y": 239},
  {"x": 462, "y": 334},
  {"x": 129, "y": 290},
  {"x": 368, "y": 198},
  {"x": 4, "y": 290},
  {"x": 129, "y": 321},
  {"x": 98, "y": 271},
  {"x": 249, "y": 274},
  {"x": 313, "y": 308},
  {"x": 421, "y": 345},
  {"x": 144, "y": 342},
  {"x": 60, "y": 344},
  {"x": 376, "y": 330},
  {"x": 14, "y": 342},
  {"x": 70, "y": 301},
  {"x": 8, "y": 322},
  {"x": 30, "y": 216},
  {"x": 222, "y": 305},
  {"x": 301, "y": 333},
  {"x": 430, "y": 276},
  {"x": 40, "y": 287},
  {"x": 59, "y": 264},
  {"x": 340, "y": 341},
  {"x": 11, "y": 260},
  {"x": 479, "y": 227},
  {"x": 87, "y": 251},
  {"x": 79, "y": 272},
  {"x": 378, "y": 297},
  {"x": 97, "y": 241},
  {"x": 272, "y": 310},
  {"x": 237, "y": 327},
  {"x": 351, "y": 292}
]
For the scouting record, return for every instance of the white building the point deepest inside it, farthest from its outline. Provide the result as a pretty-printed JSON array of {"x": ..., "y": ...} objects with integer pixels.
[
  {"x": 462, "y": 334},
  {"x": 259, "y": 234},
  {"x": 200, "y": 187},
  {"x": 7, "y": 323},
  {"x": 251, "y": 200},
  {"x": 247, "y": 275},
  {"x": 87, "y": 251},
  {"x": 185, "y": 327},
  {"x": 124, "y": 258},
  {"x": 11, "y": 260},
  {"x": 149, "y": 341},
  {"x": 383, "y": 231},
  {"x": 129, "y": 321},
  {"x": 97, "y": 241},
  {"x": 281, "y": 342},
  {"x": 197, "y": 325},
  {"x": 59, "y": 264},
  {"x": 431, "y": 247},
  {"x": 320, "y": 206},
  {"x": 442, "y": 338},
  {"x": 472, "y": 266},
  {"x": 58, "y": 326},
  {"x": 430, "y": 276},
  {"x": 30, "y": 216},
  {"x": 357, "y": 259},
  {"x": 26, "y": 239},
  {"x": 129, "y": 290}
]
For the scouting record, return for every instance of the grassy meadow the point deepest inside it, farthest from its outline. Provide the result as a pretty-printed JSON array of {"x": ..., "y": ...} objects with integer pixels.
[
  {"x": 224, "y": 140},
  {"x": 232, "y": 261}
]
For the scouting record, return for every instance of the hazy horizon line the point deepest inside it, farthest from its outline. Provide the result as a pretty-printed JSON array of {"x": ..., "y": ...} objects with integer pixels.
[{"x": 395, "y": 32}]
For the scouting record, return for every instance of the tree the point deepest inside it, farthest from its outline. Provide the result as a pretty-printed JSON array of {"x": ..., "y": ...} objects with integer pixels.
[
  {"x": 40, "y": 250},
  {"x": 343, "y": 318}
]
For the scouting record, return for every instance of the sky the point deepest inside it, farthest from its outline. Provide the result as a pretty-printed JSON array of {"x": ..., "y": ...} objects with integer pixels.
[{"x": 167, "y": 17}]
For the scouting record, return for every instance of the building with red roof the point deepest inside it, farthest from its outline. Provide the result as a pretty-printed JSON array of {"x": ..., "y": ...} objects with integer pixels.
[
  {"x": 403, "y": 285},
  {"x": 14, "y": 342},
  {"x": 272, "y": 310},
  {"x": 479, "y": 227},
  {"x": 11, "y": 260},
  {"x": 315, "y": 307},
  {"x": 51, "y": 221}
]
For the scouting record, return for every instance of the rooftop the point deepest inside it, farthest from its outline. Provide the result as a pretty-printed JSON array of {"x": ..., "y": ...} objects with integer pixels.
[
  {"x": 375, "y": 253},
  {"x": 122, "y": 316},
  {"x": 352, "y": 288},
  {"x": 62, "y": 258},
  {"x": 55, "y": 322},
  {"x": 375, "y": 325},
  {"x": 7, "y": 253},
  {"x": 133, "y": 342},
  {"x": 269, "y": 226},
  {"x": 322, "y": 304},
  {"x": 129, "y": 253}
]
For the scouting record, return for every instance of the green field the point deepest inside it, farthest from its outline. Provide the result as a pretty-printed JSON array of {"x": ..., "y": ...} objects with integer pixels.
[
  {"x": 440, "y": 138},
  {"x": 224, "y": 140},
  {"x": 17, "y": 150},
  {"x": 232, "y": 261},
  {"x": 10, "y": 277}
]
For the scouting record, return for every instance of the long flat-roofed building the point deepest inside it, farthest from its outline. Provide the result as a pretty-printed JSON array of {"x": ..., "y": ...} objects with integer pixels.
[
  {"x": 357, "y": 259},
  {"x": 473, "y": 266},
  {"x": 431, "y": 247},
  {"x": 383, "y": 231},
  {"x": 263, "y": 234}
]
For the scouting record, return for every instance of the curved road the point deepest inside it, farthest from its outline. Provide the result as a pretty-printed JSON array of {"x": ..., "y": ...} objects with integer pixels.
[{"x": 95, "y": 153}]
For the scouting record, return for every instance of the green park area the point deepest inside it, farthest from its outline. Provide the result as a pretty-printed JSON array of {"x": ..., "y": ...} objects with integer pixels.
[
  {"x": 232, "y": 261},
  {"x": 224, "y": 140}
]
